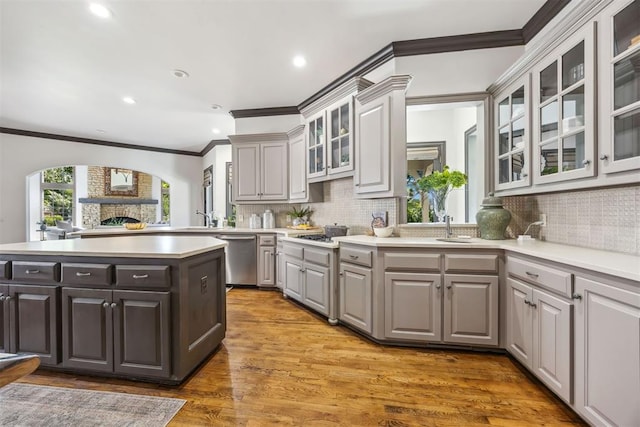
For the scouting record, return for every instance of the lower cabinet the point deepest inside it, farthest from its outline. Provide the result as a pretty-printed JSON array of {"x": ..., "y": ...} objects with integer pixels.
[
  {"x": 293, "y": 278},
  {"x": 607, "y": 353},
  {"x": 539, "y": 335},
  {"x": 267, "y": 260},
  {"x": 356, "y": 296},
  {"x": 279, "y": 266},
  {"x": 29, "y": 321},
  {"x": 125, "y": 332}
]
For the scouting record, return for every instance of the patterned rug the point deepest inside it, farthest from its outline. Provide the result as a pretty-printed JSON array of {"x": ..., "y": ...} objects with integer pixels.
[{"x": 33, "y": 405}]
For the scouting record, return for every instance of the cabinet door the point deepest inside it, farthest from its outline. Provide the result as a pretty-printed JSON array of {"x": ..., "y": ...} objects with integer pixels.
[
  {"x": 413, "y": 306},
  {"x": 316, "y": 146},
  {"x": 33, "y": 321},
  {"x": 297, "y": 169},
  {"x": 372, "y": 151},
  {"x": 87, "y": 329},
  {"x": 141, "y": 333},
  {"x": 552, "y": 343},
  {"x": 293, "y": 278},
  {"x": 274, "y": 171},
  {"x": 519, "y": 321},
  {"x": 279, "y": 267},
  {"x": 356, "y": 296},
  {"x": 266, "y": 266},
  {"x": 316, "y": 287},
  {"x": 607, "y": 351},
  {"x": 471, "y": 309},
  {"x": 4, "y": 319},
  {"x": 340, "y": 143},
  {"x": 619, "y": 96},
  {"x": 246, "y": 171}
]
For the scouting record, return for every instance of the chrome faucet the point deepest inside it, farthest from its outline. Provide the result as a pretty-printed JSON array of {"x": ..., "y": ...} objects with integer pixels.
[
  {"x": 448, "y": 230},
  {"x": 207, "y": 218}
]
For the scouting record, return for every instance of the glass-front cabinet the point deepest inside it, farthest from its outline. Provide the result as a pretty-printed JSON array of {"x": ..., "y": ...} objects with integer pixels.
[
  {"x": 316, "y": 146},
  {"x": 512, "y": 136},
  {"x": 340, "y": 141},
  {"x": 619, "y": 148},
  {"x": 563, "y": 113}
]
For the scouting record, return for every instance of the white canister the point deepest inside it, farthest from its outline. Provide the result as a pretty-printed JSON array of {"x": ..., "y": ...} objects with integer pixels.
[
  {"x": 267, "y": 219},
  {"x": 254, "y": 221}
]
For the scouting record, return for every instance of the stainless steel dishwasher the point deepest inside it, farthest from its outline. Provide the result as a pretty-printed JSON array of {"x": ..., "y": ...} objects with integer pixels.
[{"x": 241, "y": 259}]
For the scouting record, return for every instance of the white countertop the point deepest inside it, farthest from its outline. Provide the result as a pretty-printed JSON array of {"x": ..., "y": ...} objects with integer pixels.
[
  {"x": 329, "y": 245},
  {"x": 616, "y": 264},
  {"x": 191, "y": 230},
  {"x": 123, "y": 246}
]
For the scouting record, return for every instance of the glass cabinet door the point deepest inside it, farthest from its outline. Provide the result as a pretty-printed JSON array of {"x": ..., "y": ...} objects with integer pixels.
[
  {"x": 315, "y": 147},
  {"x": 564, "y": 120},
  {"x": 340, "y": 146},
  {"x": 512, "y": 137},
  {"x": 622, "y": 117}
]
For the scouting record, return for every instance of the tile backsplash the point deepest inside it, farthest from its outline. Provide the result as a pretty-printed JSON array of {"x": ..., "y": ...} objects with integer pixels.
[{"x": 603, "y": 218}]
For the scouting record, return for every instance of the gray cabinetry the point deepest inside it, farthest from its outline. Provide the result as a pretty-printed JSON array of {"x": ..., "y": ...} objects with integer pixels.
[
  {"x": 607, "y": 351},
  {"x": 124, "y": 332},
  {"x": 356, "y": 291},
  {"x": 267, "y": 260},
  {"x": 539, "y": 322},
  {"x": 279, "y": 265},
  {"x": 4, "y": 321}
]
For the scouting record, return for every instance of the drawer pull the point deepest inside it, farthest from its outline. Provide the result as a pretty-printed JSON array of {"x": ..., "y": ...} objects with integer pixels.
[
  {"x": 530, "y": 274},
  {"x": 353, "y": 256},
  {"x": 140, "y": 276},
  {"x": 32, "y": 271},
  {"x": 80, "y": 274},
  {"x": 576, "y": 296}
]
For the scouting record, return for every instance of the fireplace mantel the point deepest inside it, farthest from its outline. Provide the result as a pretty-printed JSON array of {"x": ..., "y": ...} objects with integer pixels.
[{"x": 118, "y": 200}]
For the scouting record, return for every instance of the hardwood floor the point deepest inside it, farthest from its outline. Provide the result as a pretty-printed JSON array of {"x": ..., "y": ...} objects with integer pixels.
[{"x": 282, "y": 365}]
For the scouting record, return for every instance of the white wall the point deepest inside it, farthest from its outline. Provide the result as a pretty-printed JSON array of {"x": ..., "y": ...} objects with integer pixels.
[
  {"x": 218, "y": 157},
  {"x": 21, "y": 156}
]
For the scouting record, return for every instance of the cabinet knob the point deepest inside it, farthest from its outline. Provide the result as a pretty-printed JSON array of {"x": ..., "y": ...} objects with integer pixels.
[
  {"x": 524, "y": 175},
  {"x": 586, "y": 162},
  {"x": 604, "y": 157},
  {"x": 449, "y": 286},
  {"x": 2, "y": 297},
  {"x": 7, "y": 298},
  {"x": 526, "y": 301},
  {"x": 114, "y": 305},
  {"x": 576, "y": 296},
  {"x": 105, "y": 304},
  {"x": 438, "y": 286},
  {"x": 340, "y": 274},
  {"x": 533, "y": 305}
]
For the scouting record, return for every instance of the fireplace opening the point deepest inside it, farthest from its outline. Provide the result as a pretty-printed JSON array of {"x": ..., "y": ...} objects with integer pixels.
[{"x": 119, "y": 220}]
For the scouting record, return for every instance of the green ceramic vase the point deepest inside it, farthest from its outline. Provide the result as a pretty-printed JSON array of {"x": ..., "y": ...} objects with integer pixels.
[{"x": 492, "y": 218}]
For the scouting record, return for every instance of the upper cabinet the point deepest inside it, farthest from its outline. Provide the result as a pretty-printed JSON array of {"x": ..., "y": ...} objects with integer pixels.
[
  {"x": 563, "y": 119},
  {"x": 381, "y": 139},
  {"x": 260, "y": 167},
  {"x": 300, "y": 191},
  {"x": 512, "y": 138},
  {"x": 619, "y": 148},
  {"x": 329, "y": 135}
]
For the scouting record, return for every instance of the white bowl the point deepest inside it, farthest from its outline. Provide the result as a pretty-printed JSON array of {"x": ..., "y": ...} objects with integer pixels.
[{"x": 383, "y": 232}]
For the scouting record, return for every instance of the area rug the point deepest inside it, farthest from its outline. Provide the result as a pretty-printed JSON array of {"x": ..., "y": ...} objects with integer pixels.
[{"x": 33, "y": 405}]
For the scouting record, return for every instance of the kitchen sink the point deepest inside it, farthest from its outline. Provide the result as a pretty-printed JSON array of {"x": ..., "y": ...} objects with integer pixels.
[{"x": 453, "y": 240}]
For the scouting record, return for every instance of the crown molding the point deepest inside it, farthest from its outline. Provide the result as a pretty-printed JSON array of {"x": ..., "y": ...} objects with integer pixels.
[
  {"x": 397, "y": 82},
  {"x": 264, "y": 112},
  {"x": 473, "y": 41},
  {"x": 211, "y": 145},
  {"x": 259, "y": 137},
  {"x": 69, "y": 138},
  {"x": 350, "y": 87},
  {"x": 296, "y": 131},
  {"x": 542, "y": 17}
]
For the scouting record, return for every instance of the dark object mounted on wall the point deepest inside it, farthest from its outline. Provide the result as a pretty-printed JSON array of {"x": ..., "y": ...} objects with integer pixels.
[{"x": 120, "y": 182}]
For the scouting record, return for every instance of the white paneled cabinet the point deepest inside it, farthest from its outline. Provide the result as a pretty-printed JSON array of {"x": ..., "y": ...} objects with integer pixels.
[
  {"x": 260, "y": 172},
  {"x": 607, "y": 353}
]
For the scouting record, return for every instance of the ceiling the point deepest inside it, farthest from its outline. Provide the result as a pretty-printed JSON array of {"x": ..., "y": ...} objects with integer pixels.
[{"x": 65, "y": 71}]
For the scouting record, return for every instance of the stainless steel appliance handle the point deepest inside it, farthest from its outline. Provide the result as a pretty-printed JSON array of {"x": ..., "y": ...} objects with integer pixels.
[{"x": 237, "y": 237}]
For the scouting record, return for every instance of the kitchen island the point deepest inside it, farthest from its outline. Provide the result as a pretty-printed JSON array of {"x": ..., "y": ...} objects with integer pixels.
[{"x": 145, "y": 307}]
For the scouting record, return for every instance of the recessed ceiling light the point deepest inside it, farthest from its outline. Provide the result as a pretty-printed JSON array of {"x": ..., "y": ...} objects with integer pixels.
[
  {"x": 215, "y": 130},
  {"x": 101, "y": 131},
  {"x": 128, "y": 100},
  {"x": 299, "y": 61},
  {"x": 100, "y": 10},
  {"x": 180, "y": 73},
  {"x": 216, "y": 106}
]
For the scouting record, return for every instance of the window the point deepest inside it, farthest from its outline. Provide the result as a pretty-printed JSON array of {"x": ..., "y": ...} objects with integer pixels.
[{"x": 57, "y": 194}]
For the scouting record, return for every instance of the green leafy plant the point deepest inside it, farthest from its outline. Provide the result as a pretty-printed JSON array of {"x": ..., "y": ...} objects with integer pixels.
[
  {"x": 438, "y": 185},
  {"x": 300, "y": 213}
]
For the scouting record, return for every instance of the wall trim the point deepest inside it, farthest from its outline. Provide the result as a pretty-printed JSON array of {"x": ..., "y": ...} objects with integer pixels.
[
  {"x": 542, "y": 17},
  {"x": 212, "y": 144},
  {"x": 462, "y": 42},
  {"x": 118, "y": 200},
  {"x": 68, "y": 138},
  {"x": 264, "y": 112}
]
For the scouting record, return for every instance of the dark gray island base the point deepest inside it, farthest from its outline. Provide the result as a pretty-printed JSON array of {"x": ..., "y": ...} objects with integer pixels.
[{"x": 153, "y": 314}]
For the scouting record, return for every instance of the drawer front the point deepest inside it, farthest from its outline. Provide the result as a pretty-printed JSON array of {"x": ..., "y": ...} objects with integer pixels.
[
  {"x": 471, "y": 263},
  {"x": 143, "y": 276},
  {"x": 412, "y": 261},
  {"x": 546, "y": 277},
  {"x": 267, "y": 240},
  {"x": 356, "y": 256},
  {"x": 5, "y": 270},
  {"x": 317, "y": 256},
  {"x": 293, "y": 251},
  {"x": 35, "y": 272},
  {"x": 93, "y": 275}
]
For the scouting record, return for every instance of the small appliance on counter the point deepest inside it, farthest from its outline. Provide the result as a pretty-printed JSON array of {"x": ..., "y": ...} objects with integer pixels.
[
  {"x": 335, "y": 230},
  {"x": 254, "y": 221},
  {"x": 267, "y": 219}
]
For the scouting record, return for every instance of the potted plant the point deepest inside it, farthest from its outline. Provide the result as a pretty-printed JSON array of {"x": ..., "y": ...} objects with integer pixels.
[
  {"x": 437, "y": 187},
  {"x": 300, "y": 216}
]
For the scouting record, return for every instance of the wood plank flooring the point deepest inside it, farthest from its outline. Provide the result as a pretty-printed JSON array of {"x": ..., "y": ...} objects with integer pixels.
[{"x": 283, "y": 365}]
